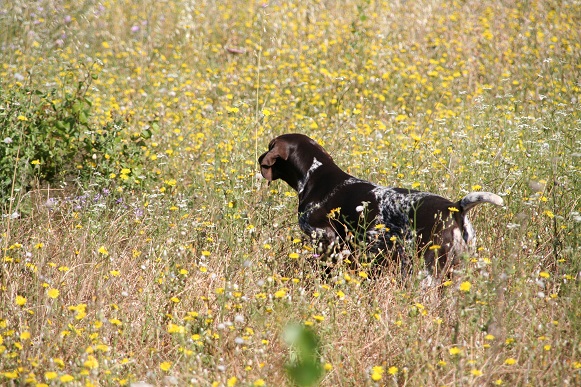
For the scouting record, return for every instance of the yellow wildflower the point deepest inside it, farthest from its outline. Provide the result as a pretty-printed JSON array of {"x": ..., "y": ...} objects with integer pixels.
[
  {"x": 377, "y": 373},
  {"x": 465, "y": 286}
]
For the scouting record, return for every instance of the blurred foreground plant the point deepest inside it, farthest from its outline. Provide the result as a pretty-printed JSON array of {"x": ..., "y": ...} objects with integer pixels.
[{"x": 304, "y": 367}]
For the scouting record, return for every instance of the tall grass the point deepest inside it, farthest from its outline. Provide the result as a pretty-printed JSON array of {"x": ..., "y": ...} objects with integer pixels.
[{"x": 179, "y": 264}]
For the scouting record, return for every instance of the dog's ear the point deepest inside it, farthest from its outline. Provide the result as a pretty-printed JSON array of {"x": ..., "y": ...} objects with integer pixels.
[{"x": 278, "y": 150}]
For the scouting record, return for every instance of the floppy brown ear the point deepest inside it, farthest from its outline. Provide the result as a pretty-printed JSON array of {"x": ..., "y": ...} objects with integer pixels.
[{"x": 278, "y": 151}]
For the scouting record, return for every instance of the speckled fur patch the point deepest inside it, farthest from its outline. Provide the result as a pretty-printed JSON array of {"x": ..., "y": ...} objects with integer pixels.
[
  {"x": 302, "y": 182},
  {"x": 395, "y": 208}
]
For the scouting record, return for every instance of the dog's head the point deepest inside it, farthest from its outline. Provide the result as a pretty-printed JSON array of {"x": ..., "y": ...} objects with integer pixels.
[{"x": 289, "y": 158}]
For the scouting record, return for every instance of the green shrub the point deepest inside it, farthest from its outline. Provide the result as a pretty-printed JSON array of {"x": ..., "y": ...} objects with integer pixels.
[{"x": 48, "y": 137}]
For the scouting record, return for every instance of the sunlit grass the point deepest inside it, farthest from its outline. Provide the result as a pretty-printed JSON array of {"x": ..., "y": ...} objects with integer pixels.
[{"x": 182, "y": 266}]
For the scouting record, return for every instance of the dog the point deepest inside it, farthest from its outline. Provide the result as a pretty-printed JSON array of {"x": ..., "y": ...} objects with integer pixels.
[{"x": 335, "y": 207}]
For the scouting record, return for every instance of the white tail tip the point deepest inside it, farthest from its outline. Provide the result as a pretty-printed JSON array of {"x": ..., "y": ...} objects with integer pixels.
[{"x": 475, "y": 198}]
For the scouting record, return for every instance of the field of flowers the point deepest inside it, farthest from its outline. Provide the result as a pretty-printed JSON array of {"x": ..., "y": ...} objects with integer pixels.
[{"x": 140, "y": 244}]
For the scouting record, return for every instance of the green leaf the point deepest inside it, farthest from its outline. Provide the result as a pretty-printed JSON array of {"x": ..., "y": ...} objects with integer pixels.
[
  {"x": 305, "y": 374},
  {"x": 61, "y": 126},
  {"x": 77, "y": 106},
  {"x": 146, "y": 134},
  {"x": 83, "y": 117},
  {"x": 304, "y": 367}
]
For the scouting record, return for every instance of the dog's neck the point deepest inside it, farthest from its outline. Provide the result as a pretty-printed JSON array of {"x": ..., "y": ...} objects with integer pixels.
[
  {"x": 303, "y": 180},
  {"x": 325, "y": 171}
]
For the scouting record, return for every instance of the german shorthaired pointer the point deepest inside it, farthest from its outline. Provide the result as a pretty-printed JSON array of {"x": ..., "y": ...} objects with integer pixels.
[{"x": 337, "y": 207}]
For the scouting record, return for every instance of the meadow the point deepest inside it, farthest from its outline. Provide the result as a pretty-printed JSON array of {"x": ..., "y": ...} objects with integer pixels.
[{"x": 140, "y": 243}]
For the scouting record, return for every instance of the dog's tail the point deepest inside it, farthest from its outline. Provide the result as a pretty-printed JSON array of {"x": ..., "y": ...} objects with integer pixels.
[
  {"x": 475, "y": 198},
  {"x": 466, "y": 203}
]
